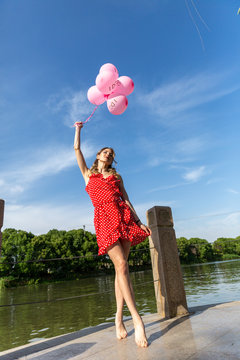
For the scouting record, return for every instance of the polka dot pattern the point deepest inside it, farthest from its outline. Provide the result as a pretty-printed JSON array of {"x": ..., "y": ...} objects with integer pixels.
[{"x": 113, "y": 218}]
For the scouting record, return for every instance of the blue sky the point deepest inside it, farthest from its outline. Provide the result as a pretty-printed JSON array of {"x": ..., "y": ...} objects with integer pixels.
[{"x": 177, "y": 144}]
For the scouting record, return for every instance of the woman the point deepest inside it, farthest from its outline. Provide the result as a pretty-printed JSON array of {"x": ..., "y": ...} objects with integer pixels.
[{"x": 117, "y": 228}]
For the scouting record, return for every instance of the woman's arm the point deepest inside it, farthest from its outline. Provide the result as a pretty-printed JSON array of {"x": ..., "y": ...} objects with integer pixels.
[
  {"x": 127, "y": 201},
  {"x": 79, "y": 155}
]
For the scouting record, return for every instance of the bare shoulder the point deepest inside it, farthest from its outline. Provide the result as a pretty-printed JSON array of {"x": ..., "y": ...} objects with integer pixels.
[
  {"x": 119, "y": 177},
  {"x": 122, "y": 189}
]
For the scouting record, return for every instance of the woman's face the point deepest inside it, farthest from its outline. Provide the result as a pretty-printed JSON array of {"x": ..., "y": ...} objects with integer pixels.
[{"x": 106, "y": 156}]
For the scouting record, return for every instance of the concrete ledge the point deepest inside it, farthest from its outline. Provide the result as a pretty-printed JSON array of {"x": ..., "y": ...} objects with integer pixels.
[{"x": 209, "y": 332}]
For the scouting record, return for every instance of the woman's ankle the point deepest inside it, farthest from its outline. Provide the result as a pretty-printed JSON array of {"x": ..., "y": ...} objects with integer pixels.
[
  {"x": 137, "y": 319},
  {"x": 119, "y": 316}
]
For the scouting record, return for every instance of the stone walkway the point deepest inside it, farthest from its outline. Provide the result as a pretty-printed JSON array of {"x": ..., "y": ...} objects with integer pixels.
[{"x": 210, "y": 332}]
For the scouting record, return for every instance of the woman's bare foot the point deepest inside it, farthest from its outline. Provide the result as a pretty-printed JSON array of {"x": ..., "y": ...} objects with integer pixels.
[
  {"x": 121, "y": 331},
  {"x": 140, "y": 336}
]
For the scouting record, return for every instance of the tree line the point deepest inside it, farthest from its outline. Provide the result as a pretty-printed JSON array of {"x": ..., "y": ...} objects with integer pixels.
[
  {"x": 196, "y": 250},
  {"x": 28, "y": 258}
]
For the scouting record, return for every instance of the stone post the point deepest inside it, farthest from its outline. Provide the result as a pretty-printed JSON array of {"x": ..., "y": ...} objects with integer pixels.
[
  {"x": 1, "y": 223},
  {"x": 167, "y": 275}
]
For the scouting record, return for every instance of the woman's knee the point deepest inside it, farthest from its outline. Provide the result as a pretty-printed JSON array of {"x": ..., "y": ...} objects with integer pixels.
[{"x": 121, "y": 267}]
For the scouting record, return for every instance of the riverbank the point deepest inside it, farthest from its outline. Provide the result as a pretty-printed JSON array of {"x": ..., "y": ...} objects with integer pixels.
[
  {"x": 209, "y": 332},
  {"x": 38, "y": 312},
  {"x": 12, "y": 282}
]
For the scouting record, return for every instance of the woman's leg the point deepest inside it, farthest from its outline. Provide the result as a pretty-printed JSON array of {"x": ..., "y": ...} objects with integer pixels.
[
  {"x": 120, "y": 328},
  {"x": 121, "y": 331},
  {"x": 119, "y": 260}
]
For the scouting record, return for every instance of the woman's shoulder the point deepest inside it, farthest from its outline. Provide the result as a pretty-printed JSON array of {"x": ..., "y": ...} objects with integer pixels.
[
  {"x": 88, "y": 176},
  {"x": 118, "y": 176},
  {"x": 89, "y": 173}
]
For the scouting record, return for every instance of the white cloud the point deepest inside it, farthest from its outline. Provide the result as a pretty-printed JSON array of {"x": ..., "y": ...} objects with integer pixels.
[
  {"x": 162, "y": 149},
  {"x": 149, "y": 204},
  {"x": 173, "y": 99},
  {"x": 232, "y": 191},
  {"x": 195, "y": 175},
  {"x": 210, "y": 226},
  {"x": 167, "y": 187},
  {"x": 190, "y": 146},
  {"x": 214, "y": 181},
  {"x": 155, "y": 161},
  {"x": 39, "y": 219},
  {"x": 233, "y": 220},
  {"x": 74, "y": 105},
  {"x": 190, "y": 177},
  {"x": 47, "y": 162}
]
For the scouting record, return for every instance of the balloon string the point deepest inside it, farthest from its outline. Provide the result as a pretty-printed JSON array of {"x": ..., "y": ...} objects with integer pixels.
[
  {"x": 83, "y": 122},
  {"x": 90, "y": 115}
]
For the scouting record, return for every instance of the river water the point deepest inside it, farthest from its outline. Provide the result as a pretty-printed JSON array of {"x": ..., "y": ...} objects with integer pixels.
[{"x": 21, "y": 324}]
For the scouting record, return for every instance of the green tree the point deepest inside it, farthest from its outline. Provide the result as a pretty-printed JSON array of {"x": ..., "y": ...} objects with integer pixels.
[
  {"x": 183, "y": 249},
  {"x": 204, "y": 250},
  {"x": 225, "y": 246},
  {"x": 140, "y": 255},
  {"x": 15, "y": 246}
]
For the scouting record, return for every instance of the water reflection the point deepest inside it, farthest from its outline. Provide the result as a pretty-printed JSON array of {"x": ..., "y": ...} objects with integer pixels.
[
  {"x": 204, "y": 284},
  {"x": 212, "y": 282}
]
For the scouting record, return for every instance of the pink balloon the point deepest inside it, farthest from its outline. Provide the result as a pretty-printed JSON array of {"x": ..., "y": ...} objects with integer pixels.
[
  {"x": 95, "y": 96},
  {"x": 105, "y": 80},
  {"x": 123, "y": 85},
  {"x": 117, "y": 104},
  {"x": 109, "y": 67}
]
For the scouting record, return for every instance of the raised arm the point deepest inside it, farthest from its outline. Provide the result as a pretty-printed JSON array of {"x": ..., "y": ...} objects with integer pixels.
[
  {"x": 127, "y": 201},
  {"x": 79, "y": 155}
]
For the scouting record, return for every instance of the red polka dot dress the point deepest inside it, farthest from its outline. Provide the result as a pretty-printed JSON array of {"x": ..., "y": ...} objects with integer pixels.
[{"x": 113, "y": 218}]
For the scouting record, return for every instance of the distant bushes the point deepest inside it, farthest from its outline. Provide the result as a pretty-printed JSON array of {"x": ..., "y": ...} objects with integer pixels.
[
  {"x": 25, "y": 257},
  {"x": 197, "y": 250},
  {"x": 80, "y": 248}
]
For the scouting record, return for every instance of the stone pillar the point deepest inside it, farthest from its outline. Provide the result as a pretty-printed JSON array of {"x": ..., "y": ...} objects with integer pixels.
[
  {"x": 1, "y": 223},
  {"x": 167, "y": 275}
]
